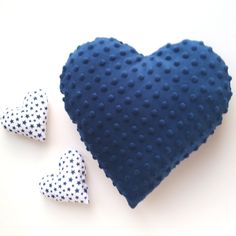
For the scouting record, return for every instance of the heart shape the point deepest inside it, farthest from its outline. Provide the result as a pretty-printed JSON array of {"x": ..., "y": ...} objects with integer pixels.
[
  {"x": 69, "y": 184},
  {"x": 30, "y": 119},
  {"x": 141, "y": 115}
]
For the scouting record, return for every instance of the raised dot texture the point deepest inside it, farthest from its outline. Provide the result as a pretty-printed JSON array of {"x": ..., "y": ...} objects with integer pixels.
[{"x": 140, "y": 116}]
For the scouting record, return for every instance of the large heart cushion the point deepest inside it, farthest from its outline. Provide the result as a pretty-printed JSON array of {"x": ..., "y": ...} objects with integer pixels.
[{"x": 139, "y": 115}]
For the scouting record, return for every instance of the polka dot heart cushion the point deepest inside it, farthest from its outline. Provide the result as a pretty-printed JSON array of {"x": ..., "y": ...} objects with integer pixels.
[
  {"x": 30, "y": 119},
  {"x": 69, "y": 184},
  {"x": 139, "y": 115}
]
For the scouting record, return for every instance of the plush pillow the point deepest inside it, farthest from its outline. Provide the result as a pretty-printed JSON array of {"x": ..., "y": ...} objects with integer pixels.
[
  {"x": 30, "y": 119},
  {"x": 139, "y": 115},
  {"x": 69, "y": 184}
]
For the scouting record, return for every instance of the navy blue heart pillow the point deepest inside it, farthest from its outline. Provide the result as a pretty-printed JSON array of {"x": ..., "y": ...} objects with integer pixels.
[{"x": 139, "y": 115}]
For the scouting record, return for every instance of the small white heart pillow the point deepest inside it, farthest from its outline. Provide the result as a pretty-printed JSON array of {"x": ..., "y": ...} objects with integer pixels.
[
  {"x": 69, "y": 184},
  {"x": 30, "y": 119}
]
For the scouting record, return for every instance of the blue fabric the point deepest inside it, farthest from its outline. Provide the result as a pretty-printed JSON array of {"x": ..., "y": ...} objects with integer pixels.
[{"x": 139, "y": 115}]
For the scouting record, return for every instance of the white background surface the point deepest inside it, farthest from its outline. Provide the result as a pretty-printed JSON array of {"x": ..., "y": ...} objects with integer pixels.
[{"x": 36, "y": 37}]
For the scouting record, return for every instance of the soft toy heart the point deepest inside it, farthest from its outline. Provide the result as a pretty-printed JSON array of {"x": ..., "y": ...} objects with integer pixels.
[
  {"x": 30, "y": 119},
  {"x": 141, "y": 115},
  {"x": 69, "y": 184}
]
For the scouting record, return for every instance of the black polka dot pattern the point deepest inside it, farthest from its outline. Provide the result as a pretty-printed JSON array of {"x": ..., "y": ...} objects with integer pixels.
[
  {"x": 30, "y": 119},
  {"x": 69, "y": 185}
]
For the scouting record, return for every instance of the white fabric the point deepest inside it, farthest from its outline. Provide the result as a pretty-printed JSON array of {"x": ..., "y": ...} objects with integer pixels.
[
  {"x": 30, "y": 119},
  {"x": 68, "y": 185}
]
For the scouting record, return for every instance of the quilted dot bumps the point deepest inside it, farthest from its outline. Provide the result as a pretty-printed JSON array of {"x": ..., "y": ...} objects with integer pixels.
[
  {"x": 141, "y": 115},
  {"x": 30, "y": 119},
  {"x": 69, "y": 184}
]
